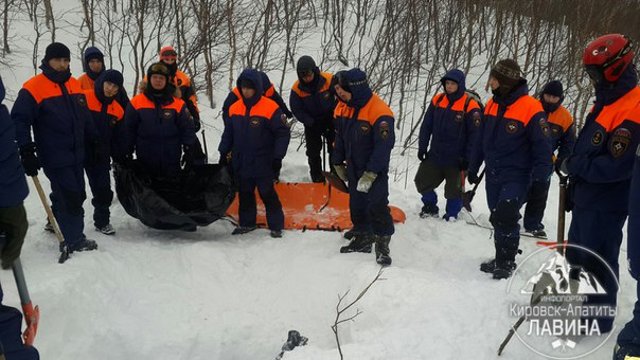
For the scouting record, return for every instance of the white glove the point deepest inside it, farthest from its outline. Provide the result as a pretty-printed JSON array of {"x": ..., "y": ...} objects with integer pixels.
[{"x": 366, "y": 180}]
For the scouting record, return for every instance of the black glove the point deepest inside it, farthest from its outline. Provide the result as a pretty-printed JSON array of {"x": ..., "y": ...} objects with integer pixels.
[
  {"x": 29, "y": 159},
  {"x": 422, "y": 155},
  {"x": 196, "y": 124},
  {"x": 463, "y": 164},
  {"x": 193, "y": 155},
  {"x": 10, "y": 247},
  {"x": 473, "y": 178},
  {"x": 276, "y": 165}
]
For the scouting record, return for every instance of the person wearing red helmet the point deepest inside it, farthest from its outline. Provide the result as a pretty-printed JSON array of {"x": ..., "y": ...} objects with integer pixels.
[
  {"x": 600, "y": 169},
  {"x": 181, "y": 82}
]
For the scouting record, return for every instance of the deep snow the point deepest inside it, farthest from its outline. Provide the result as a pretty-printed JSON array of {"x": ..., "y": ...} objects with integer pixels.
[{"x": 150, "y": 294}]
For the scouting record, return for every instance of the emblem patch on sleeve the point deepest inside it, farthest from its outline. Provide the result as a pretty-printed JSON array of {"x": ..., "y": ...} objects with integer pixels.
[
  {"x": 384, "y": 130},
  {"x": 544, "y": 125},
  {"x": 619, "y": 142},
  {"x": 597, "y": 138}
]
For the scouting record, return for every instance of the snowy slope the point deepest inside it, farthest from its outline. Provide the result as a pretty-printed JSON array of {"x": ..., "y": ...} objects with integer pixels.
[{"x": 149, "y": 294}]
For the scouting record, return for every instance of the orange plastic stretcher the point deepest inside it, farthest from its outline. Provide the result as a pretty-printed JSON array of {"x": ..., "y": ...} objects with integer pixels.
[{"x": 311, "y": 206}]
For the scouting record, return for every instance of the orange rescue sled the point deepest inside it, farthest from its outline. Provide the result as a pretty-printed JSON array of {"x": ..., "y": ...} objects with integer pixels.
[{"x": 311, "y": 206}]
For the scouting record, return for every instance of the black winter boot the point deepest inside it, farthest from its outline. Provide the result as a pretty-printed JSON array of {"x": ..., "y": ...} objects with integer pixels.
[
  {"x": 360, "y": 243},
  {"x": 382, "y": 250},
  {"x": 503, "y": 269},
  {"x": 350, "y": 234}
]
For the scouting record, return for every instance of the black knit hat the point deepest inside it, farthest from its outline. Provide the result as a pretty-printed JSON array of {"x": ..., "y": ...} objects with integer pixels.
[
  {"x": 554, "y": 88},
  {"x": 113, "y": 76},
  {"x": 305, "y": 64},
  {"x": 507, "y": 72},
  {"x": 56, "y": 50}
]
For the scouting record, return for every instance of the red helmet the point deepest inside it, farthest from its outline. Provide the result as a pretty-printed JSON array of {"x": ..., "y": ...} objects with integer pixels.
[
  {"x": 606, "y": 57},
  {"x": 168, "y": 52}
]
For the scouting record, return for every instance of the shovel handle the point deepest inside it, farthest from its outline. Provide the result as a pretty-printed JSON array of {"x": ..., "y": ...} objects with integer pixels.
[{"x": 31, "y": 313}]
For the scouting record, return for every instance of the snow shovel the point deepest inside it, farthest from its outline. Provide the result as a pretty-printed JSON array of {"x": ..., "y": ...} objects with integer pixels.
[
  {"x": 64, "y": 251},
  {"x": 31, "y": 314},
  {"x": 538, "y": 293},
  {"x": 335, "y": 181},
  {"x": 467, "y": 197}
]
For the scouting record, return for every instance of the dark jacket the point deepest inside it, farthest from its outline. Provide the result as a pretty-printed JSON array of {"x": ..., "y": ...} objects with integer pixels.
[
  {"x": 55, "y": 106},
  {"x": 268, "y": 90},
  {"x": 314, "y": 102},
  {"x": 513, "y": 139},
  {"x": 450, "y": 124},
  {"x": 107, "y": 115},
  {"x": 157, "y": 131},
  {"x": 602, "y": 160},
  {"x": 562, "y": 132},
  {"x": 364, "y": 129},
  {"x": 13, "y": 183},
  {"x": 255, "y": 133}
]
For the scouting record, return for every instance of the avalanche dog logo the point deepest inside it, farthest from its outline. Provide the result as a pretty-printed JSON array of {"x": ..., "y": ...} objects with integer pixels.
[{"x": 556, "y": 302}]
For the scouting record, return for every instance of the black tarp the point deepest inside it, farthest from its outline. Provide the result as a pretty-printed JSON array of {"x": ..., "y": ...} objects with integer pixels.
[{"x": 194, "y": 197}]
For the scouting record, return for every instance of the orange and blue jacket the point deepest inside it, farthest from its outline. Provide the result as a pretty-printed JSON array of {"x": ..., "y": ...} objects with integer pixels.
[
  {"x": 58, "y": 113},
  {"x": 513, "y": 140},
  {"x": 313, "y": 103},
  {"x": 450, "y": 124},
  {"x": 601, "y": 164},
  {"x": 188, "y": 94},
  {"x": 255, "y": 133},
  {"x": 364, "y": 133},
  {"x": 86, "y": 83},
  {"x": 107, "y": 115},
  {"x": 269, "y": 92},
  {"x": 562, "y": 132},
  {"x": 157, "y": 131}
]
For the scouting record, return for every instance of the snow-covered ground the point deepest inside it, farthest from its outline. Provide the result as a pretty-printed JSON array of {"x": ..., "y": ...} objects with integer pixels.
[{"x": 150, "y": 294}]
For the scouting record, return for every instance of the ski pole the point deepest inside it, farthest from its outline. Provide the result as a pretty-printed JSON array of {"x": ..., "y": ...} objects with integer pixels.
[
  {"x": 204, "y": 144},
  {"x": 31, "y": 314},
  {"x": 64, "y": 251}
]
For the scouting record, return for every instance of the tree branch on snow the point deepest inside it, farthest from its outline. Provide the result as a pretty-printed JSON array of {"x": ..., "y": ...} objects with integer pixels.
[{"x": 340, "y": 311}]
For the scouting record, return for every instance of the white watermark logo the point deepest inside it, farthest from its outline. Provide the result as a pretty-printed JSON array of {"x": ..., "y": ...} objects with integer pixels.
[{"x": 560, "y": 310}]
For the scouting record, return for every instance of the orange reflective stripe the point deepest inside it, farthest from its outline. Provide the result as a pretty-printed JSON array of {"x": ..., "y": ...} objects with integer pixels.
[
  {"x": 237, "y": 93},
  {"x": 182, "y": 78},
  {"x": 374, "y": 109},
  {"x": 473, "y": 105},
  {"x": 141, "y": 101},
  {"x": 92, "y": 101},
  {"x": 115, "y": 110},
  {"x": 86, "y": 83},
  {"x": 42, "y": 88},
  {"x": 325, "y": 87},
  {"x": 270, "y": 91},
  {"x": 613, "y": 115},
  {"x": 561, "y": 117},
  {"x": 521, "y": 110},
  {"x": 458, "y": 105},
  {"x": 265, "y": 108}
]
